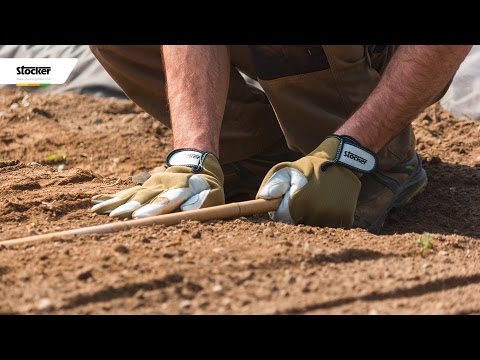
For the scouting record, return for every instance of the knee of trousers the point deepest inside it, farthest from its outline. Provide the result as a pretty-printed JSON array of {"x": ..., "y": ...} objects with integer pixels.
[{"x": 313, "y": 88}]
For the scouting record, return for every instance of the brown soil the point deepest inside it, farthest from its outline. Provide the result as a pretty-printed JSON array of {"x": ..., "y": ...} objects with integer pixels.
[{"x": 246, "y": 265}]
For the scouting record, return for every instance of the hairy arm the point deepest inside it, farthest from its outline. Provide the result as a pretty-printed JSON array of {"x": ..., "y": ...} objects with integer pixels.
[
  {"x": 413, "y": 78},
  {"x": 197, "y": 86}
]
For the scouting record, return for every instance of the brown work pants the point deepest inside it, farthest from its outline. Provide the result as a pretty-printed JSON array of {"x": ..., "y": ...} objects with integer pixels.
[{"x": 310, "y": 90}]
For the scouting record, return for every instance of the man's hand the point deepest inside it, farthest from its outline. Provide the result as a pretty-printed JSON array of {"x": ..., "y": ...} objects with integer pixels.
[
  {"x": 321, "y": 188},
  {"x": 193, "y": 180}
]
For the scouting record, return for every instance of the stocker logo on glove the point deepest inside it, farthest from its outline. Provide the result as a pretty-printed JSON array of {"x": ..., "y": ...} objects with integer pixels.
[
  {"x": 353, "y": 156},
  {"x": 187, "y": 157}
]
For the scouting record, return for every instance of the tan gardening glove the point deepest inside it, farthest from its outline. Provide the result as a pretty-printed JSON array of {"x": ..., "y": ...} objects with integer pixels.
[
  {"x": 322, "y": 188},
  {"x": 193, "y": 180}
]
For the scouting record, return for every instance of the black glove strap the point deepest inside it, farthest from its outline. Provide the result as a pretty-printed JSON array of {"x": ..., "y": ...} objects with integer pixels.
[
  {"x": 192, "y": 158},
  {"x": 353, "y": 156}
]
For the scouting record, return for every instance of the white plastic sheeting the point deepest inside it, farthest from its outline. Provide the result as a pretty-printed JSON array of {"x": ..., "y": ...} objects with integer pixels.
[
  {"x": 463, "y": 97},
  {"x": 88, "y": 77}
]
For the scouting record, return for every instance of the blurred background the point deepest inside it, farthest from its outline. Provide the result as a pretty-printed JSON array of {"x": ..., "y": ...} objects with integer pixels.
[{"x": 88, "y": 77}]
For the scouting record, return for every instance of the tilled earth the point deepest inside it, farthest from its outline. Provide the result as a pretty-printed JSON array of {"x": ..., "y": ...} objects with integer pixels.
[{"x": 57, "y": 151}]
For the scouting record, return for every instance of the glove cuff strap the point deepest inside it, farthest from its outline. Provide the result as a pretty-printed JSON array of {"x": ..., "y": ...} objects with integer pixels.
[
  {"x": 353, "y": 156},
  {"x": 192, "y": 158}
]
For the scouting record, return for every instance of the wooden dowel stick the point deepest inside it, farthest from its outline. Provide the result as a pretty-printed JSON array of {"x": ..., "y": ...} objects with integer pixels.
[{"x": 244, "y": 208}]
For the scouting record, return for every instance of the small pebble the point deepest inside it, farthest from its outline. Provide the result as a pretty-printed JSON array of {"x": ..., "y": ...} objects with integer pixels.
[
  {"x": 218, "y": 250},
  {"x": 141, "y": 177},
  {"x": 217, "y": 288},
  {"x": 44, "y": 304},
  {"x": 185, "y": 304},
  {"x": 268, "y": 232}
]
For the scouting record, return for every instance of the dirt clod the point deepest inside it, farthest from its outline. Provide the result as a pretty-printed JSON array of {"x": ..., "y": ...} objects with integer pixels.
[
  {"x": 197, "y": 234},
  {"x": 85, "y": 275},
  {"x": 268, "y": 232},
  {"x": 122, "y": 249}
]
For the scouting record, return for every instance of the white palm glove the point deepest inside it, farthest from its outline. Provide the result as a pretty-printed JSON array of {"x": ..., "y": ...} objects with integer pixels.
[{"x": 193, "y": 180}]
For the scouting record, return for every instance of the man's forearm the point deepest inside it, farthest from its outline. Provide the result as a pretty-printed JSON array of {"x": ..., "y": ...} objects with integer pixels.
[
  {"x": 197, "y": 86},
  {"x": 413, "y": 78}
]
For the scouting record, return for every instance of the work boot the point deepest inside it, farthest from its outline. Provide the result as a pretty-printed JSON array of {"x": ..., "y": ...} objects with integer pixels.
[{"x": 384, "y": 190}]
